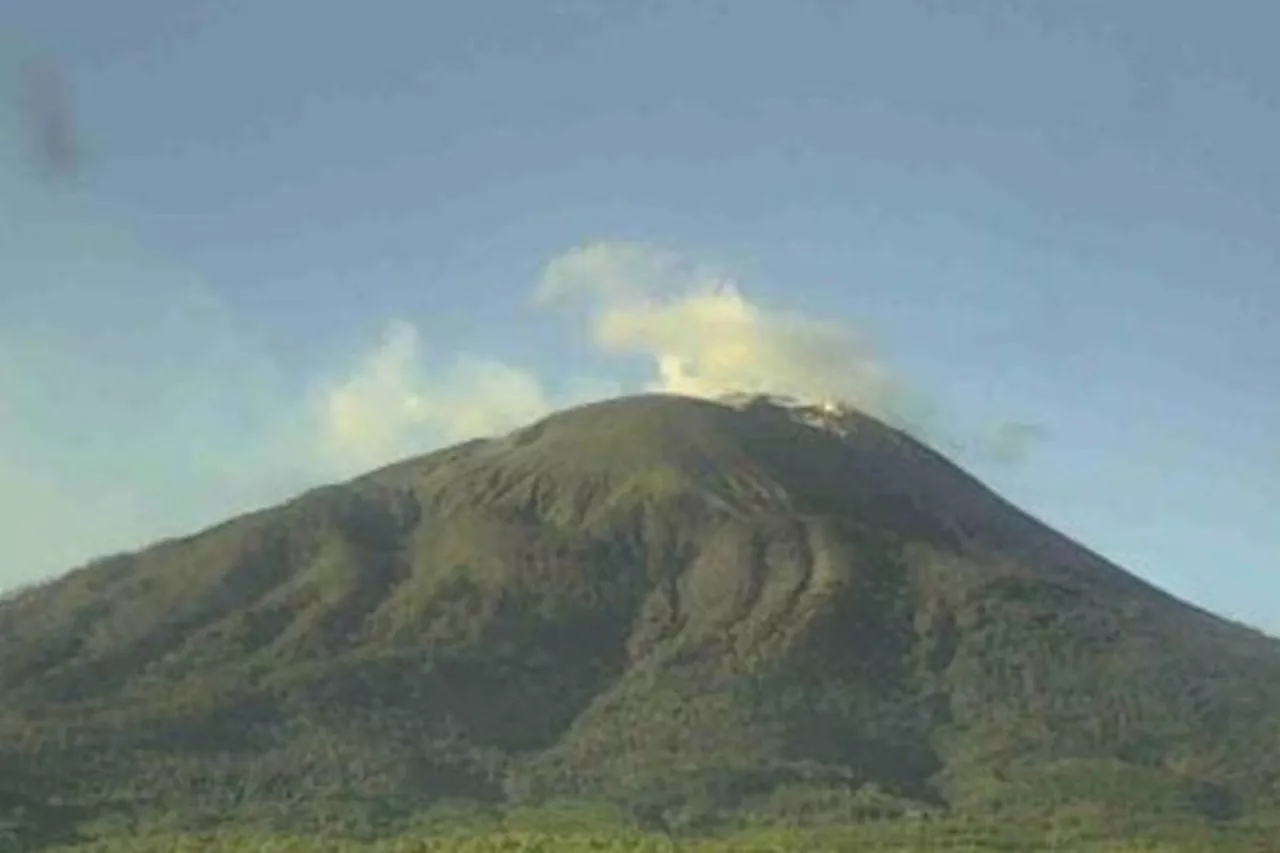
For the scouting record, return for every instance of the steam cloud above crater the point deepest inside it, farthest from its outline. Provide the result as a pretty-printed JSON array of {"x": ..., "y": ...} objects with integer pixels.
[{"x": 705, "y": 338}]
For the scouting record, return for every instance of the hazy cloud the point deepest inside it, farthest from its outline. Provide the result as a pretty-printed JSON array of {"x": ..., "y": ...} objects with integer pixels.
[
  {"x": 1013, "y": 443},
  {"x": 396, "y": 401},
  {"x": 393, "y": 404},
  {"x": 617, "y": 272}
]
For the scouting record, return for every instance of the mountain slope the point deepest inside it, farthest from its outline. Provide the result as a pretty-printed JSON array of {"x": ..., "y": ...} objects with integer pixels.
[{"x": 690, "y": 608}]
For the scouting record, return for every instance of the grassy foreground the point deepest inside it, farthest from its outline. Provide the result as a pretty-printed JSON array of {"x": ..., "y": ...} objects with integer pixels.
[
  {"x": 463, "y": 827},
  {"x": 540, "y": 842},
  {"x": 566, "y": 838}
]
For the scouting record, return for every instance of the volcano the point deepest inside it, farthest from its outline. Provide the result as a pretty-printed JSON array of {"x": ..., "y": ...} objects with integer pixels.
[{"x": 691, "y": 610}]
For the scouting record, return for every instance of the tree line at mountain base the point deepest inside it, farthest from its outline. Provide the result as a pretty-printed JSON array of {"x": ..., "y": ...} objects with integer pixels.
[{"x": 473, "y": 828}]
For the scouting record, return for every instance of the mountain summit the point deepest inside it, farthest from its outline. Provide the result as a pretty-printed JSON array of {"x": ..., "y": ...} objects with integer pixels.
[{"x": 694, "y": 610}]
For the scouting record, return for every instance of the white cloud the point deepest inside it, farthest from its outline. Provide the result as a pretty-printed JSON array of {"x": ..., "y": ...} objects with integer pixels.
[
  {"x": 703, "y": 337},
  {"x": 393, "y": 405}
]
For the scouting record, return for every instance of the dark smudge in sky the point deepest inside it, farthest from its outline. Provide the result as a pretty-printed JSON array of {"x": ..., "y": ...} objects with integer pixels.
[{"x": 49, "y": 122}]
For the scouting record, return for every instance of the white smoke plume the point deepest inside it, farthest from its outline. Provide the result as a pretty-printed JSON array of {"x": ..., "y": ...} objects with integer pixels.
[{"x": 703, "y": 337}]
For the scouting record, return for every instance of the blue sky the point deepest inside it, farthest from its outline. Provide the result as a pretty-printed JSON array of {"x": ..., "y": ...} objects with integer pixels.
[{"x": 249, "y": 247}]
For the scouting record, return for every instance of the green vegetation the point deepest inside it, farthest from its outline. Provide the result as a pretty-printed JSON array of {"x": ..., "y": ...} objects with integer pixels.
[
  {"x": 469, "y": 826},
  {"x": 558, "y": 832},
  {"x": 702, "y": 620}
]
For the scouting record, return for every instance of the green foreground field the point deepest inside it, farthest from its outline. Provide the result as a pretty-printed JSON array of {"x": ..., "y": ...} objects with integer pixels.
[
  {"x": 570, "y": 842},
  {"x": 536, "y": 831}
]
